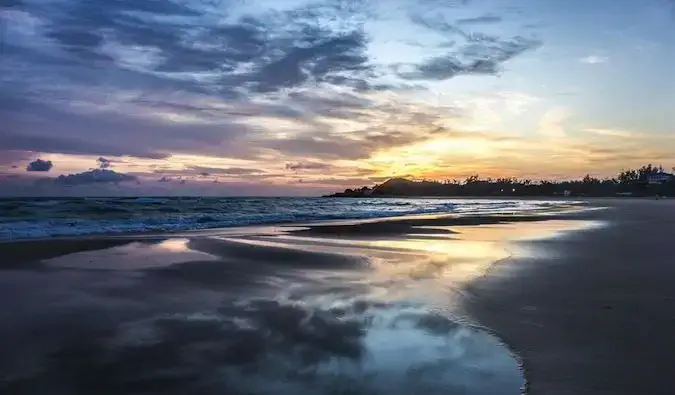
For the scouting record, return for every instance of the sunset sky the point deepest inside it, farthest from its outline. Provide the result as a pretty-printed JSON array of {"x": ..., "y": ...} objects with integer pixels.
[{"x": 298, "y": 97}]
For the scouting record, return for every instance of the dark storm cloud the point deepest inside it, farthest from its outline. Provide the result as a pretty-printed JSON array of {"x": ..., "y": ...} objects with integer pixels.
[
  {"x": 96, "y": 176},
  {"x": 40, "y": 165}
]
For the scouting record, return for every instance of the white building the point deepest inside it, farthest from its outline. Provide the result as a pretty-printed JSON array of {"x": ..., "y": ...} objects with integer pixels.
[{"x": 659, "y": 178}]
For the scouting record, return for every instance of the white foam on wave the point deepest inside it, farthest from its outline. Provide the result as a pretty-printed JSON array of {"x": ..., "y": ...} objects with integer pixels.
[{"x": 47, "y": 220}]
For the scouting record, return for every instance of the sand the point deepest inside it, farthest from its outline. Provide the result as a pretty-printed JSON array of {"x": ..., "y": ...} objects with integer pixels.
[
  {"x": 583, "y": 301},
  {"x": 598, "y": 315}
]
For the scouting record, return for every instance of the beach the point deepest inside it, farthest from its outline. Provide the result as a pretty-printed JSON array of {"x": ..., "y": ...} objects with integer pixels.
[
  {"x": 597, "y": 315},
  {"x": 562, "y": 300}
]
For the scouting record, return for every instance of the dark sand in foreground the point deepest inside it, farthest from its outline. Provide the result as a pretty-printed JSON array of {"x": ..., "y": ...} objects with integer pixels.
[
  {"x": 587, "y": 309},
  {"x": 597, "y": 316}
]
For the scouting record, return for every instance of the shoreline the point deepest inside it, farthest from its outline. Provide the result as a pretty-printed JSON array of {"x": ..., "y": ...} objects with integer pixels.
[
  {"x": 521, "y": 279},
  {"x": 593, "y": 316},
  {"x": 405, "y": 271},
  {"x": 574, "y": 206},
  {"x": 385, "y": 283}
]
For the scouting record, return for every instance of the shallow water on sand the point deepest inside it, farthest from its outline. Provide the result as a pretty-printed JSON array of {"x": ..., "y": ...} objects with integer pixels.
[{"x": 255, "y": 315}]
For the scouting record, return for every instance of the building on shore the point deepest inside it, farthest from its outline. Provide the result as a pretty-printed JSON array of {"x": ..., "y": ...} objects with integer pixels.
[{"x": 659, "y": 178}]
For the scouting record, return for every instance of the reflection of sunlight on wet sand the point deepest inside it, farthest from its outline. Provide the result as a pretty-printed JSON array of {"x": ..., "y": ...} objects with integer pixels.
[
  {"x": 463, "y": 246},
  {"x": 425, "y": 266},
  {"x": 438, "y": 266},
  {"x": 133, "y": 256},
  {"x": 173, "y": 245},
  {"x": 420, "y": 269},
  {"x": 517, "y": 232}
]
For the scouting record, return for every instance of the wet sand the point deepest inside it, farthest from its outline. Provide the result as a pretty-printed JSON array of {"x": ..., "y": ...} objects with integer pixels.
[
  {"x": 596, "y": 316},
  {"x": 583, "y": 301}
]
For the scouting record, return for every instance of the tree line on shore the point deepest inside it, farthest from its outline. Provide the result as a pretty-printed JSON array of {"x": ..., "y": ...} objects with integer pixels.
[{"x": 631, "y": 182}]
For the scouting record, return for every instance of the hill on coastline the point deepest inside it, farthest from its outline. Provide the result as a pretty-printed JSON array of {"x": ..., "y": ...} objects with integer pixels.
[{"x": 646, "y": 181}]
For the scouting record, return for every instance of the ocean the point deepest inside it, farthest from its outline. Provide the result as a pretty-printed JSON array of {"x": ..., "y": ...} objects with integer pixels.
[
  {"x": 31, "y": 218},
  {"x": 341, "y": 309}
]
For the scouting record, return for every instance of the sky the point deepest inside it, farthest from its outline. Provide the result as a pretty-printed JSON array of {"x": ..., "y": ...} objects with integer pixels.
[{"x": 301, "y": 97}]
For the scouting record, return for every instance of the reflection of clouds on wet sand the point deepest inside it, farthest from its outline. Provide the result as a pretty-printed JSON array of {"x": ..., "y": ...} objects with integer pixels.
[
  {"x": 254, "y": 314},
  {"x": 267, "y": 346}
]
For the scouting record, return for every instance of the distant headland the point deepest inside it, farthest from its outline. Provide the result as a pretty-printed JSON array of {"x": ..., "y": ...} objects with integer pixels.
[{"x": 646, "y": 181}]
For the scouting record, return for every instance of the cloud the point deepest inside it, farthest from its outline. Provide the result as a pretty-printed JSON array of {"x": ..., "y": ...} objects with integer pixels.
[
  {"x": 172, "y": 70},
  {"x": 479, "y": 54},
  {"x": 328, "y": 102},
  {"x": 594, "y": 59},
  {"x": 298, "y": 83},
  {"x": 11, "y": 158},
  {"x": 230, "y": 171},
  {"x": 68, "y": 142},
  {"x": 334, "y": 146},
  {"x": 484, "y": 19},
  {"x": 552, "y": 123},
  {"x": 473, "y": 60},
  {"x": 326, "y": 60},
  {"x": 11, "y": 3},
  {"x": 103, "y": 163},
  {"x": 612, "y": 132},
  {"x": 40, "y": 165},
  {"x": 307, "y": 166},
  {"x": 383, "y": 124},
  {"x": 167, "y": 39},
  {"x": 348, "y": 182},
  {"x": 96, "y": 176}
]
